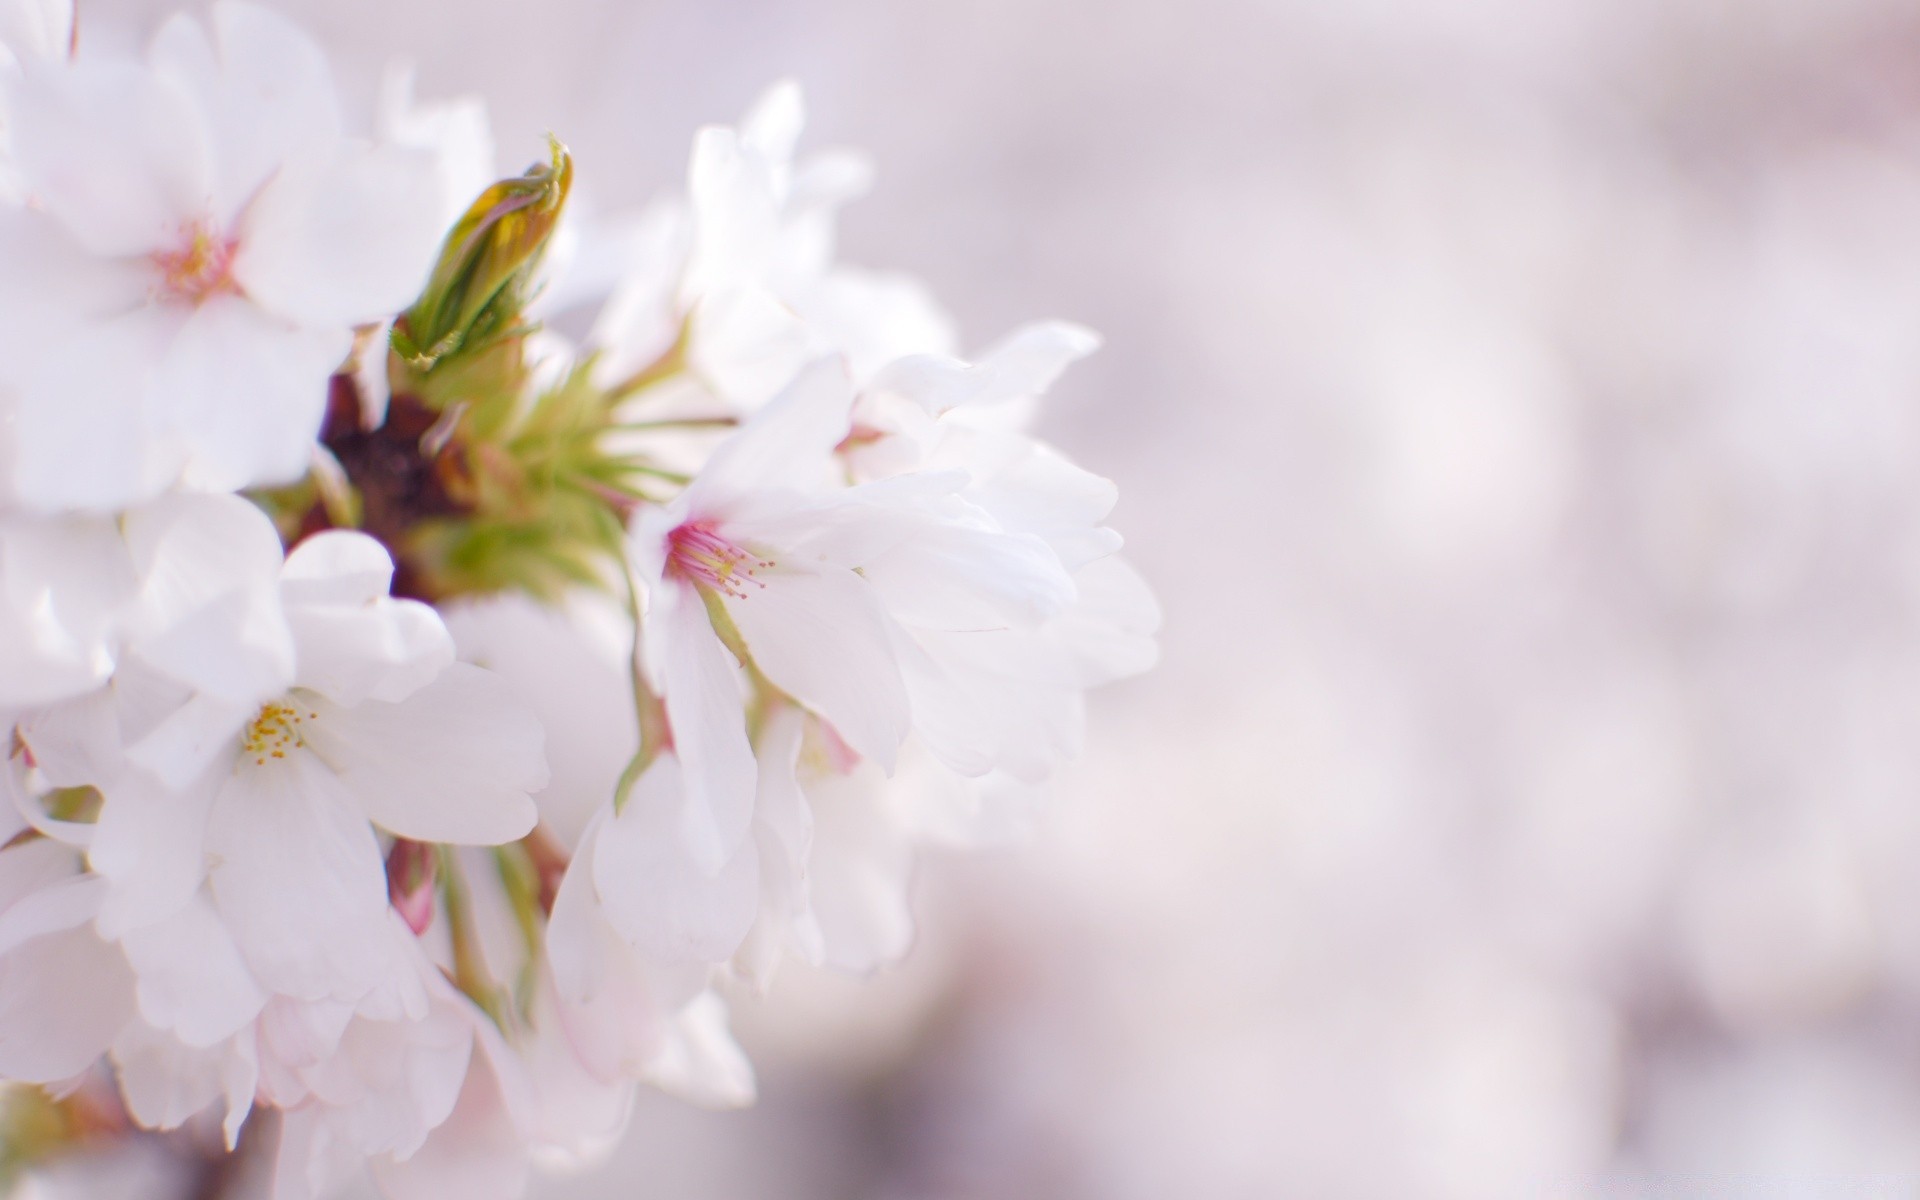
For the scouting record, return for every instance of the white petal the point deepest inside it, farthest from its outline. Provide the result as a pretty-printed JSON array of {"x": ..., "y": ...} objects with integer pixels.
[
  {"x": 613, "y": 1006},
  {"x": 62, "y": 581},
  {"x": 1109, "y": 633},
  {"x": 701, "y": 1062},
  {"x": 571, "y": 665},
  {"x": 477, "y": 1153},
  {"x": 192, "y": 983},
  {"x": 456, "y": 761},
  {"x": 336, "y": 566},
  {"x": 54, "y": 286},
  {"x": 162, "y": 1081},
  {"x": 969, "y": 577},
  {"x": 298, "y": 878},
  {"x": 83, "y": 435},
  {"x": 822, "y": 639},
  {"x": 735, "y": 214},
  {"x": 244, "y": 391},
  {"x": 789, "y": 443},
  {"x": 344, "y": 241},
  {"x": 704, "y": 706},
  {"x": 63, "y": 998},
  {"x": 148, "y": 843},
  {"x": 385, "y": 651},
  {"x": 210, "y": 610},
  {"x": 116, "y": 155},
  {"x": 199, "y": 736},
  {"x": 1026, "y": 363},
  {"x": 265, "y": 93},
  {"x": 862, "y": 862},
  {"x": 39, "y": 28},
  {"x": 661, "y": 902},
  {"x": 783, "y": 830},
  {"x": 746, "y": 345}
]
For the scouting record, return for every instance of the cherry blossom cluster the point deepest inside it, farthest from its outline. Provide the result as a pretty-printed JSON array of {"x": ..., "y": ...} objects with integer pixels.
[{"x": 421, "y": 721}]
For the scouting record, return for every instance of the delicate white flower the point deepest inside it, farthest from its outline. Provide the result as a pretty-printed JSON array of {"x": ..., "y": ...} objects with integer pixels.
[
  {"x": 745, "y": 272},
  {"x": 237, "y": 834},
  {"x": 201, "y": 239}
]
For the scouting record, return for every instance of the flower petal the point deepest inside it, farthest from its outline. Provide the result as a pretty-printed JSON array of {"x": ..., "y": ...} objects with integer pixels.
[
  {"x": 456, "y": 761},
  {"x": 703, "y": 698},
  {"x": 662, "y": 903},
  {"x": 346, "y": 240},
  {"x": 299, "y": 880},
  {"x": 244, "y": 392},
  {"x": 822, "y": 638},
  {"x": 113, "y": 153},
  {"x": 262, "y": 87}
]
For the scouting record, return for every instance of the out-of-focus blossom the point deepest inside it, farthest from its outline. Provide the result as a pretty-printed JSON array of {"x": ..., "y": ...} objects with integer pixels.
[{"x": 199, "y": 237}]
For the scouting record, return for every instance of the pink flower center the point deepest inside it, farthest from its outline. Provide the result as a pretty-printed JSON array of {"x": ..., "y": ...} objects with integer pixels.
[
  {"x": 696, "y": 552},
  {"x": 198, "y": 265}
]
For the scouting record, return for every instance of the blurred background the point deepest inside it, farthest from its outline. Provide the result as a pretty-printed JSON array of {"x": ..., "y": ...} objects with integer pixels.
[{"x": 1517, "y": 406}]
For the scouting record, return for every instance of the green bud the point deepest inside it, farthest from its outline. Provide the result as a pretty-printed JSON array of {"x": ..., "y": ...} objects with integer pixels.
[{"x": 480, "y": 287}]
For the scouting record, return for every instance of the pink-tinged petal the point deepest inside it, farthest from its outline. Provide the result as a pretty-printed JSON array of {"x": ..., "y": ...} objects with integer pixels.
[
  {"x": 192, "y": 982},
  {"x": 64, "y": 993},
  {"x": 478, "y": 1153},
  {"x": 456, "y": 761},
  {"x": 614, "y": 1007},
  {"x": 83, "y": 434},
  {"x": 262, "y": 88},
  {"x": 163, "y": 1081},
  {"x": 313, "y": 1160},
  {"x": 787, "y": 444},
  {"x": 244, "y": 392},
  {"x": 49, "y": 909},
  {"x": 575, "y": 1118},
  {"x": 337, "y": 567},
  {"x": 30, "y": 866},
  {"x": 390, "y": 1083},
  {"x": 704, "y": 702},
  {"x": 148, "y": 845},
  {"x": 662, "y": 903},
  {"x": 823, "y": 639},
  {"x": 63, "y": 999},
  {"x": 299, "y": 880},
  {"x": 345, "y": 240},
  {"x": 116, "y": 155}
]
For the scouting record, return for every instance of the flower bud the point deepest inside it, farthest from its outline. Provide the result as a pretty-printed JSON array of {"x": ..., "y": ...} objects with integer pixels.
[{"x": 481, "y": 284}]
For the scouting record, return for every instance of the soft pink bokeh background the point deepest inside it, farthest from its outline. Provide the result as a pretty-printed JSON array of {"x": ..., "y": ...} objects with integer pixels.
[{"x": 1518, "y": 409}]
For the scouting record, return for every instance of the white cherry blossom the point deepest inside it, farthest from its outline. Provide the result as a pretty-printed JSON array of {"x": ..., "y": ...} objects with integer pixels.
[{"x": 201, "y": 237}]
